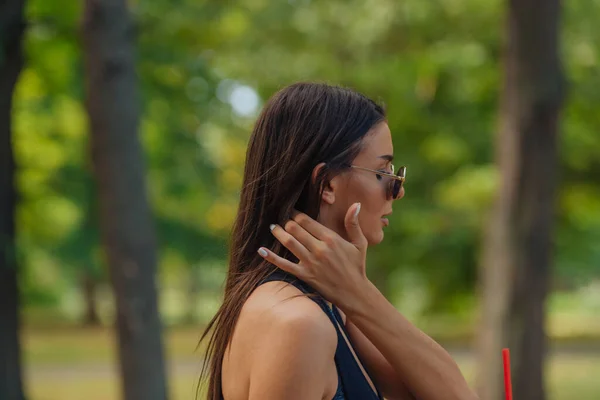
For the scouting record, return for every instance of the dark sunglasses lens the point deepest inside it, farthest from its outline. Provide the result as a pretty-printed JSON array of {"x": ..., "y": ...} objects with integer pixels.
[
  {"x": 397, "y": 183},
  {"x": 396, "y": 189}
]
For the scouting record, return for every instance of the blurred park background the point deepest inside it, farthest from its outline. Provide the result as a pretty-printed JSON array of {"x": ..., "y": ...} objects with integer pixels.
[{"x": 203, "y": 68}]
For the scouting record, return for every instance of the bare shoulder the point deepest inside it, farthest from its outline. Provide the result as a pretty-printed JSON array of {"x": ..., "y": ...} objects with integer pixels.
[
  {"x": 285, "y": 344},
  {"x": 277, "y": 307}
]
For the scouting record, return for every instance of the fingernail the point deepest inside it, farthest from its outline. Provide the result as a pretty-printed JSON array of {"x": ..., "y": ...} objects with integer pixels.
[
  {"x": 272, "y": 226},
  {"x": 263, "y": 252},
  {"x": 357, "y": 210}
]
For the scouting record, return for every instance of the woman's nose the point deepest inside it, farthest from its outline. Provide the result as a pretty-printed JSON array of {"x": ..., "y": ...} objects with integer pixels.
[{"x": 400, "y": 194}]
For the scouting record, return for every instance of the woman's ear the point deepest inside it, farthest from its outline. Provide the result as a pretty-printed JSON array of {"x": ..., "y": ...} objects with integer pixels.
[{"x": 328, "y": 195}]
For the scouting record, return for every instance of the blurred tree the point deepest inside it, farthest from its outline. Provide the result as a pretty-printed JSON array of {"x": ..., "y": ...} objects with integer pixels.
[
  {"x": 439, "y": 86},
  {"x": 58, "y": 235},
  {"x": 435, "y": 64},
  {"x": 12, "y": 27},
  {"x": 518, "y": 246},
  {"x": 578, "y": 225},
  {"x": 78, "y": 250},
  {"x": 125, "y": 219},
  {"x": 90, "y": 286}
]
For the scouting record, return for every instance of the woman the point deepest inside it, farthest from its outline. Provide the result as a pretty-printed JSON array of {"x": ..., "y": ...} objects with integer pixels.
[{"x": 318, "y": 184}]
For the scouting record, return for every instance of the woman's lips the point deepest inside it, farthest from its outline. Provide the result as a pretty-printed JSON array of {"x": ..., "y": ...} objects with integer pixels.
[{"x": 385, "y": 221}]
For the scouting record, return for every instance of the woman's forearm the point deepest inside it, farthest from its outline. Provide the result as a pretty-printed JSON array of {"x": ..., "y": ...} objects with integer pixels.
[
  {"x": 427, "y": 369},
  {"x": 336, "y": 268}
]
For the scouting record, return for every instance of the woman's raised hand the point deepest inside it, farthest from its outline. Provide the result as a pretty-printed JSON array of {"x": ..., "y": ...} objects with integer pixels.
[{"x": 332, "y": 265}]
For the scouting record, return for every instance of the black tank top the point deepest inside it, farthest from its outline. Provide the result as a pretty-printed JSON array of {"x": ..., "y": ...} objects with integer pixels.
[{"x": 352, "y": 383}]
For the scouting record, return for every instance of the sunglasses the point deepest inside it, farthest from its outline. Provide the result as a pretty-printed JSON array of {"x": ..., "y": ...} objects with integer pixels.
[{"x": 396, "y": 179}]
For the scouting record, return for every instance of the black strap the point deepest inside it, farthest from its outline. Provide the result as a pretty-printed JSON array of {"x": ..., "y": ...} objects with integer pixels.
[
  {"x": 280, "y": 275},
  {"x": 354, "y": 382}
]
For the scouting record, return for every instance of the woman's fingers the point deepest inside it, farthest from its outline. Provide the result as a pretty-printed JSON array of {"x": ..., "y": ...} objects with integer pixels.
[
  {"x": 302, "y": 235},
  {"x": 281, "y": 262},
  {"x": 313, "y": 227},
  {"x": 290, "y": 242}
]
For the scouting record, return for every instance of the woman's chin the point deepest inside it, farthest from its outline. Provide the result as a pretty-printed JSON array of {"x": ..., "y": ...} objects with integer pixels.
[{"x": 375, "y": 238}]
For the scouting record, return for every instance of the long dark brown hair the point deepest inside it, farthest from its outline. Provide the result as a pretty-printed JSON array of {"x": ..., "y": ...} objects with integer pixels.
[{"x": 300, "y": 127}]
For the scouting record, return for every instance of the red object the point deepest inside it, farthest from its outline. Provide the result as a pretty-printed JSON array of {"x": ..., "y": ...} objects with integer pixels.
[{"x": 507, "y": 381}]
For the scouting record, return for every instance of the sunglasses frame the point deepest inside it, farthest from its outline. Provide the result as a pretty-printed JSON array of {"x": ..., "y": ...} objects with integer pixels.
[{"x": 399, "y": 178}]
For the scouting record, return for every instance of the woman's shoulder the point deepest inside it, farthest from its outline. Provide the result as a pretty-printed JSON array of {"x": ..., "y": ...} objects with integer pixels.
[
  {"x": 276, "y": 307},
  {"x": 281, "y": 338}
]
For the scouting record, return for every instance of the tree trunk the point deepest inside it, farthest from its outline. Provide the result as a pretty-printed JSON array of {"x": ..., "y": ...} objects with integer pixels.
[
  {"x": 89, "y": 285},
  {"x": 12, "y": 27},
  {"x": 517, "y": 249},
  {"x": 193, "y": 290},
  {"x": 125, "y": 220}
]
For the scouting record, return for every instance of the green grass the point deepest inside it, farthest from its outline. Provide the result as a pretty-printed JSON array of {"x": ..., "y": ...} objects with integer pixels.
[
  {"x": 66, "y": 362},
  {"x": 574, "y": 378},
  {"x": 60, "y": 346},
  {"x": 75, "y": 364},
  {"x": 94, "y": 388},
  {"x": 569, "y": 377}
]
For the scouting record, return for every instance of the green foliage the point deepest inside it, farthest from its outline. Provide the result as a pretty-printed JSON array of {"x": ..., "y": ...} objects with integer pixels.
[
  {"x": 440, "y": 87},
  {"x": 436, "y": 65}
]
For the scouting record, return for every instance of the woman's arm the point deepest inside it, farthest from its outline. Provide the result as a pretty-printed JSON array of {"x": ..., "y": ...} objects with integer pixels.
[
  {"x": 336, "y": 268},
  {"x": 425, "y": 367},
  {"x": 389, "y": 381}
]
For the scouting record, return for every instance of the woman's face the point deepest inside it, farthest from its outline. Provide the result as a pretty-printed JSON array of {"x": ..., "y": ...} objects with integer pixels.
[{"x": 368, "y": 188}]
